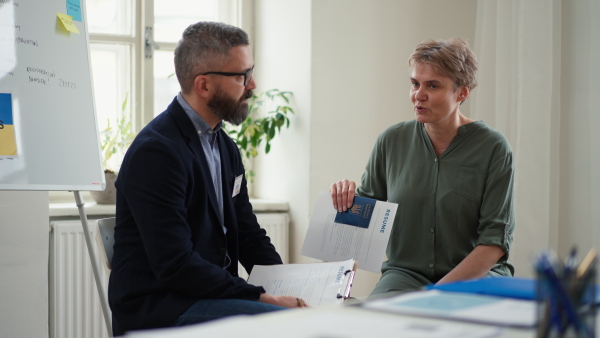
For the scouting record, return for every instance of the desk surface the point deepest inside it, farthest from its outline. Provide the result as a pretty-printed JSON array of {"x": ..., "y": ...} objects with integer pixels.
[{"x": 334, "y": 322}]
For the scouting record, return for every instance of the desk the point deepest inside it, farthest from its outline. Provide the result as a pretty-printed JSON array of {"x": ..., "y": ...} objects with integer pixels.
[{"x": 334, "y": 322}]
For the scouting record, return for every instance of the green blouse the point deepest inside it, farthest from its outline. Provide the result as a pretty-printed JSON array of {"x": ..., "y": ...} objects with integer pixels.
[{"x": 447, "y": 205}]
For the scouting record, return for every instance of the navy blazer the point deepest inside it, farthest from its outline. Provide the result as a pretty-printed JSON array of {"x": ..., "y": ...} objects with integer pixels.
[{"x": 170, "y": 246}]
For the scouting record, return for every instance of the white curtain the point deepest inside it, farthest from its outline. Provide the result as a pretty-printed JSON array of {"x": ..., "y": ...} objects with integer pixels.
[{"x": 517, "y": 44}]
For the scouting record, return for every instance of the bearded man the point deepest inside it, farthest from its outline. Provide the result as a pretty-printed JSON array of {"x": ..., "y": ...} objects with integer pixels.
[{"x": 183, "y": 216}]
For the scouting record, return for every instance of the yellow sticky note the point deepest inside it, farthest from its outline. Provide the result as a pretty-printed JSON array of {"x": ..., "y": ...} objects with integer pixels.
[{"x": 67, "y": 22}]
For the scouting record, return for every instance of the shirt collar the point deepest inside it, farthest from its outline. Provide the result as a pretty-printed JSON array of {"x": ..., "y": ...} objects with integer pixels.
[{"x": 201, "y": 126}]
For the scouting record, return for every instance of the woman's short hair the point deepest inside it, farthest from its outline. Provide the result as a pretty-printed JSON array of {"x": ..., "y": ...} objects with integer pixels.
[
  {"x": 205, "y": 47},
  {"x": 452, "y": 58}
]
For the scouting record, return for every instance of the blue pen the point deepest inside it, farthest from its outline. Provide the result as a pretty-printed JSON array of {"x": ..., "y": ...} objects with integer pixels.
[
  {"x": 571, "y": 264},
  {"x": 561, "y": 294},
  {"x": 553, "y": 309},
  {"x": 568, "y": 279},
  {"x": 583, "y": 285}
]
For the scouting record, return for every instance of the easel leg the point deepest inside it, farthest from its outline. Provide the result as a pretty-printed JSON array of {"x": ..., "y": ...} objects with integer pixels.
[{"x": 93, "y": 256}]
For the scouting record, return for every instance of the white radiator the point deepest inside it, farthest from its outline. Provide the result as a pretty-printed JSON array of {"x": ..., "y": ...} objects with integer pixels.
[
  {"x": 277, "y": 227},
  {"x": 75, "y": 309}
]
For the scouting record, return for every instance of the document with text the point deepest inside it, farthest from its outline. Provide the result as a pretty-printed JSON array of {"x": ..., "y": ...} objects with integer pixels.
[
  {"x": 316, "y": 283},
  {"x": 329, "y": 240}
]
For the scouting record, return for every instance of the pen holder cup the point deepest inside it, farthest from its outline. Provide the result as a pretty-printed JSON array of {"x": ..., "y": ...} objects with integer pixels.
[{"x": 566, "y": 305}]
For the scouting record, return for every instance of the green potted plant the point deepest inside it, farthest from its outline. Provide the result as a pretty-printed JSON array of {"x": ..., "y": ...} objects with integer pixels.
[
  {"x": 115, "y": 140},
  {"x": 267, "y": 113}
]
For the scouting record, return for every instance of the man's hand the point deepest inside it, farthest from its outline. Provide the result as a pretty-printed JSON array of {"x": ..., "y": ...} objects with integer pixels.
[
  {"x": 342, "y": 194},
  {"x": 285, "y": 301}
]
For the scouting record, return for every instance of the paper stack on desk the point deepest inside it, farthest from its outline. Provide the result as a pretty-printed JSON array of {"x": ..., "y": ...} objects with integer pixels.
[{"x": 460, "y": 306}]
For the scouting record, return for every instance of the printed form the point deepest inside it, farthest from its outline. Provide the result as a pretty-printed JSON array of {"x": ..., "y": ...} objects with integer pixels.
[
  {"x": 331, "y": 241},
  {"x": 317, "y": 283}
]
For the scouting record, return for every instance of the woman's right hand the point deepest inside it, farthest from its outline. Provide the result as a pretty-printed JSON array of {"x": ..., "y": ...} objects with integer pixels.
[{"x": 342, "y": 194}]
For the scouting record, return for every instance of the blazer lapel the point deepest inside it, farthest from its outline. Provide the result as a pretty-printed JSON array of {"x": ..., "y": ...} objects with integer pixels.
[
  {"x": 193, "y": 141},
  {"x": 227, "y": 175}
]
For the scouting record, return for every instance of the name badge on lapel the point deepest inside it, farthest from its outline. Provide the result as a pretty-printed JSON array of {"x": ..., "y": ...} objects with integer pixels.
[{"x": 237, "y": 185}]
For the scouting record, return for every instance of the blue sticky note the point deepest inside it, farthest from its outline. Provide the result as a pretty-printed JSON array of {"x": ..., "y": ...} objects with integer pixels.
[
  {"x": 6, "y": 112},
  {"x": 360, "y": 213},
  {"x": 74, "y": 9}
]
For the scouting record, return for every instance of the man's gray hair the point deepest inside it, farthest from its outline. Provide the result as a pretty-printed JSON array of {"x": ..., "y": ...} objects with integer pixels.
[{"x": 204, "y": 47}]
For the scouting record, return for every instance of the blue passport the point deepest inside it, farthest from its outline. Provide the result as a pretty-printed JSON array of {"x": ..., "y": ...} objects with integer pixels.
[{"x": 360, "y": 213}]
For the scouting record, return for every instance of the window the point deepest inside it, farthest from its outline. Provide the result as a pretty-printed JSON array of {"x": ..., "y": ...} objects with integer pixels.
[
  {"x": 112, "y": 46},
  {"x": 170, "y": 19},
  {"x": 121, "y": 71}
]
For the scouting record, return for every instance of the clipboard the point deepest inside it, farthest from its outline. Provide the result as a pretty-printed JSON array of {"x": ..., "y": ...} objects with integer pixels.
[
  {"x": 320, "y": 283},
  {"x": 344, "y": 291}
]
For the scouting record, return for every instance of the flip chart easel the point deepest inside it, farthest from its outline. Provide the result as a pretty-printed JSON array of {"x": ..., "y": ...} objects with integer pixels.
[{"x": 48, "y": 128}]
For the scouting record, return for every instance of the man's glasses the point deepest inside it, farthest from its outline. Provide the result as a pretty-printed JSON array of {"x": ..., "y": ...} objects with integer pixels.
[{"x": 247, "y": 75}]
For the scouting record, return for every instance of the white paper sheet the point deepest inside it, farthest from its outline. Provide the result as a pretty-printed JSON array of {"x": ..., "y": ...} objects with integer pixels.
[
  {"x": 316, "y": 283},
  {"x": 330, "y": 241}
]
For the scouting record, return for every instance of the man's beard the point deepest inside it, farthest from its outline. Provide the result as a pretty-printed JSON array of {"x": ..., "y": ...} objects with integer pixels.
[{"x": 228, "y": 109}]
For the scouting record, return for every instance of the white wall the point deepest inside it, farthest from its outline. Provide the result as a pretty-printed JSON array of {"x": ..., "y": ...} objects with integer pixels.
[
  {"x": 24, "y": 264},
  {"x": 518, "y": 45},
  {"x": 282, "y": 54},
  {"x": 579, "y": 213}
]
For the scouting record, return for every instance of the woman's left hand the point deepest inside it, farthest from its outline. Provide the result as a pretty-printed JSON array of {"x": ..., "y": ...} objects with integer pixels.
[{"x": 342, "y": 194}]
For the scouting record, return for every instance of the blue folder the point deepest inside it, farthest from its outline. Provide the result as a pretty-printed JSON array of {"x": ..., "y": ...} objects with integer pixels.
[{"x": 520, "y": 288}]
